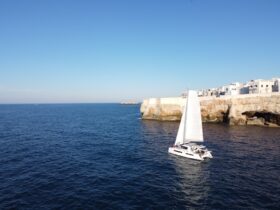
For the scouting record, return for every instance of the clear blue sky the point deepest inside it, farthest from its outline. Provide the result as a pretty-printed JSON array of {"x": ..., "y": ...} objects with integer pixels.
[{"x": 109, "y": 51}]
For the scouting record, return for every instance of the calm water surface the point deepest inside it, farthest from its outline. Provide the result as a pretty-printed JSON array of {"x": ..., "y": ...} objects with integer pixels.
[{"x": 102, "y": 156}]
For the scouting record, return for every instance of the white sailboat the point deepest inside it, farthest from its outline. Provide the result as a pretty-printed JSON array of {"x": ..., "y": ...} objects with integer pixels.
[{"x": 190, "y": 132}]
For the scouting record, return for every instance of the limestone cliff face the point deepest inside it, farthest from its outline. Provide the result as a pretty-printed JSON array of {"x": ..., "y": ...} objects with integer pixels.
[{"x": 255, "y": 109}]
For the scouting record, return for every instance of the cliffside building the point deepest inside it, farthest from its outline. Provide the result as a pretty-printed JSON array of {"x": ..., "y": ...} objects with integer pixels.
[
  {"x": 260, "y": 86},
  {"x": 212, "y": 92},
  {"x": 276, "y": 85},
  {"x": 231, "y": 89}
]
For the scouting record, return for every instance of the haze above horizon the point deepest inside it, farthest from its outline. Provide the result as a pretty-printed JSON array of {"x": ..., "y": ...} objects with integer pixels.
[{"x": 111, "y": 51}]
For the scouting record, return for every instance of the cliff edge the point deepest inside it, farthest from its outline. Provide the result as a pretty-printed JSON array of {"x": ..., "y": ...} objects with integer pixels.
[{"x": 251, "y": 109}]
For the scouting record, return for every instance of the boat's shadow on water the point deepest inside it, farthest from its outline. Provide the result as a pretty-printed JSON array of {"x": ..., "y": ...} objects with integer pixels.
[{"x": 193, "y": 179}]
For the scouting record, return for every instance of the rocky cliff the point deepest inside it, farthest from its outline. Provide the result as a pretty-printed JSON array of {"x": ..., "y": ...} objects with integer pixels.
[{"x": 253, "y": 109}]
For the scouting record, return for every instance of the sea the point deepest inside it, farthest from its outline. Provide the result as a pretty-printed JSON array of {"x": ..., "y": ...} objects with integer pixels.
[{"x": 103, "y": 156}]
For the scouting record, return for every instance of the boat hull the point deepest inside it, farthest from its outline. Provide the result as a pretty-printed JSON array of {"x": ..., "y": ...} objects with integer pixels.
[{"x": 188, "y": 154}]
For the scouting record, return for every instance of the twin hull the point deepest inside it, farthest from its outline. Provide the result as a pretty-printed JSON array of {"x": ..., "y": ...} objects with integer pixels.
[{"x": 188, "y": 153}]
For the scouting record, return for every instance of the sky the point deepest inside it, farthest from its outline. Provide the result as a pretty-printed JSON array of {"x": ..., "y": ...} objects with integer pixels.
[{"x": 65, "y": 51}]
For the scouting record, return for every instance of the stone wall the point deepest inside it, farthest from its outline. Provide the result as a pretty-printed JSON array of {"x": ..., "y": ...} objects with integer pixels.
[{"x": 253, "y": 109}]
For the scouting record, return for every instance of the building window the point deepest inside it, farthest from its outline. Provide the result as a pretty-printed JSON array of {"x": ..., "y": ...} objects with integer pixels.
[
  {"x": 261, "y": 85},
  {"x": 266, "y": 85}
]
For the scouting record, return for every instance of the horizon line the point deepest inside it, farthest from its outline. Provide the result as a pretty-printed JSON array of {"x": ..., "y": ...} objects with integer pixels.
[{"x": 49, "y": 103}]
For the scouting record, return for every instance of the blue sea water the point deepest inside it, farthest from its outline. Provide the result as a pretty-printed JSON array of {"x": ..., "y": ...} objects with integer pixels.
[{"x": 103, "y": 156}]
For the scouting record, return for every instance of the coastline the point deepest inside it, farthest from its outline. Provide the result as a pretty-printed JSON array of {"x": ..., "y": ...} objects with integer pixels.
[{"x": 249, "y": 109}]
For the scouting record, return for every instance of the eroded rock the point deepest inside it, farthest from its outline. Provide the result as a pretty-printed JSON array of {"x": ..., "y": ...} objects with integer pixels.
[{"x": 237, "y": 110}]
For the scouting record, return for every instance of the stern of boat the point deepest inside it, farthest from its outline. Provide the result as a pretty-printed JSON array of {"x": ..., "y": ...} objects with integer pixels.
[{"x": 208, "y": 154}]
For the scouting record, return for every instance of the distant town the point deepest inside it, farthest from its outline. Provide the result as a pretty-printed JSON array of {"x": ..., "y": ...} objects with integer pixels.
[{"x": 257, "y": 86}]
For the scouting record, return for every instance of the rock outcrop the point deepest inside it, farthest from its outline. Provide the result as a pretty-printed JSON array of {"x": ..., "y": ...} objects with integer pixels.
[{"x": 253, "y": 109}]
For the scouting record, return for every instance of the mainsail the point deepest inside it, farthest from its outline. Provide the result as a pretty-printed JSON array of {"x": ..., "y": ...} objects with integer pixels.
[{"x": 190, "y": 129}]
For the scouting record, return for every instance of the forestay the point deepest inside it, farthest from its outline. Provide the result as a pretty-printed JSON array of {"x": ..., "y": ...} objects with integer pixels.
[{"x": 180, "y": 134}]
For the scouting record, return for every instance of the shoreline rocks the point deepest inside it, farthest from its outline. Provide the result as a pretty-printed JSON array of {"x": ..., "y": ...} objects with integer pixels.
[{"x": 253, "y": 109}]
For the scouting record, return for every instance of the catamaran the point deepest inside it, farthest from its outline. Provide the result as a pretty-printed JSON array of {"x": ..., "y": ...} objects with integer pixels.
[{"x": 190, "y": 132}]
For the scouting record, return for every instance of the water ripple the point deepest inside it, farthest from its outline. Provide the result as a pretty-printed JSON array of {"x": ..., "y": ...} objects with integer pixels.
[{"x": 101, "y": 156}]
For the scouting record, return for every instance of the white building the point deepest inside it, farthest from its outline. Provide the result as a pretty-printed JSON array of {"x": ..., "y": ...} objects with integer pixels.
[
  {"x": 244, "y": 89},
  {"x": 231, "y": 89},
  {"x": 200, "y": 93},
  {"x": 212, "y": 92},
  {"x": 251, "y": 87},
  {"x": 276, "y": 85},
  {"x": 260, "y": 86}
]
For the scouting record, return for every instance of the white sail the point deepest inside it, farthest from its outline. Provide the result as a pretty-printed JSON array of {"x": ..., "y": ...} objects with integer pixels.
[
  {"x": 193, "y": 125},
  {"x": 190, "y": 129},
  {"x": 180, "y": 134}
]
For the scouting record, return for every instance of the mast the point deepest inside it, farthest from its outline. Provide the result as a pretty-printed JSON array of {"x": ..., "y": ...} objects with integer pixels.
[{"x": 185, "y": 119}]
